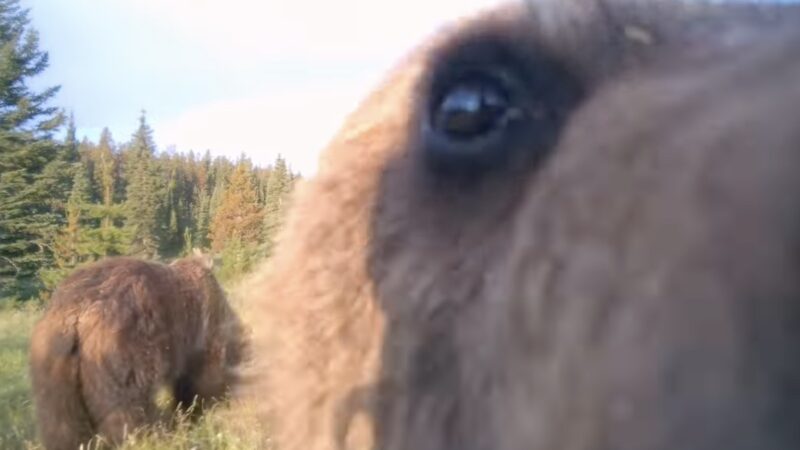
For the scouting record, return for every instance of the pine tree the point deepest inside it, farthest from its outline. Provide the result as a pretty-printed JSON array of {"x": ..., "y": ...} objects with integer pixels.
[
  {"x": 71, "y": 244},
  {"x": 86, "y": 155},
  {"x": 200, "y": 200},
  {"x": 109, "y": 239},
  {"x": 77, "y": 209},
  {"x": 172, "y": 233},
  {"x": 179, "y": 199},
  {"x": 239, "y": 215},
  {"x": 188, "y": 242},
  {"x": 71, "y": 153},
  {"x": 202, "y": 219},
  {"x": 29, "y": 157},
  {"x": 279, "y": 186},
  {"x": 144, "y": 202},
  {"x": 106, "y": 174},
  {"x": 219, "y": 173},
  {"x": 237, "y": 258}
]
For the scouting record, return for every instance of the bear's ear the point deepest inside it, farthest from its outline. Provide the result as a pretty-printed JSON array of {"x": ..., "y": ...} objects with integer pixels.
[{"x": 206, "y": 259}]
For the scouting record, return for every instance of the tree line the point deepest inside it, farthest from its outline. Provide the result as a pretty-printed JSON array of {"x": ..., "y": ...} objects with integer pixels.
[{"x": 64, "y": 203}]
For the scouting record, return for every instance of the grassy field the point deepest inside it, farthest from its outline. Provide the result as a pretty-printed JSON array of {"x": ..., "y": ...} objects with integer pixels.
[
  {"x": 16, "y": 412},
  {"x": 221, "y": 429}
]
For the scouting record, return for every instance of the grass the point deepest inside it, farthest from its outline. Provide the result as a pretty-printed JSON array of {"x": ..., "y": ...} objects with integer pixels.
[
  {"x": 16, "y": 410},
  {"x": 222, "y": 428},
  {"x": 219, "y": 429}
]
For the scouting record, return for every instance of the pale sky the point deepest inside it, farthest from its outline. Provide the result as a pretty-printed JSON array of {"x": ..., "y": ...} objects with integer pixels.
[{"x": 231, "y": 76}]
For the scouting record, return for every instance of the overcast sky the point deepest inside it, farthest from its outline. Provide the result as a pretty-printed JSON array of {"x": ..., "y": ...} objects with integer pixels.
[{"x": 232, "y": 76}]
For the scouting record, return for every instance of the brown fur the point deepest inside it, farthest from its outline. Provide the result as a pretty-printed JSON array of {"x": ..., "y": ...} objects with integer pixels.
[
  {"x": 636, "y": 289},
  {"x": 118, "y": 330}
]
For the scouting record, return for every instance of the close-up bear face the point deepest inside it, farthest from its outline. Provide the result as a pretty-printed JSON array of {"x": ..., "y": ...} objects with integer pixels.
[{"x": 556, "y": 225}]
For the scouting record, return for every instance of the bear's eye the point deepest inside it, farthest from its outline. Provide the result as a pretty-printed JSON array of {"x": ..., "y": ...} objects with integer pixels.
[
  {"x": 487, "y": 107},
  {"x": 470, "y": 117},
  {"x": 473, "y": 108}
]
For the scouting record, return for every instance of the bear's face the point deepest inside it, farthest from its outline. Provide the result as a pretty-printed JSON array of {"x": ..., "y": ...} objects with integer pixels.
[{"x": 569, "y": 226}]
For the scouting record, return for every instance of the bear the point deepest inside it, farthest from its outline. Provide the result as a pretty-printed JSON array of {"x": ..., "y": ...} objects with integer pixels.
[
  {"x": 116, "y": 333},
  {"x": 563, "y": 224}
]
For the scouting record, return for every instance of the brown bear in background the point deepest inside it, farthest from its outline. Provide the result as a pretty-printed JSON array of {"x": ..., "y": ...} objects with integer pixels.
[
  {"x": 563, "y": 225},
  {"x": 117, "y": 331}
]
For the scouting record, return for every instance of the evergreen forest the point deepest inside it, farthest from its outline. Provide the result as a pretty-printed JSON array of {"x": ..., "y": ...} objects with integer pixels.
[{"x": 65, "y": 202}]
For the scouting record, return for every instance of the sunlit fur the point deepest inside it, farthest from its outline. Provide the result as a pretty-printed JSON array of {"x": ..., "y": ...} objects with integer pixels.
[
  {"x": 118, "y": 331},
  {"x": 636, "y": 289}
]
